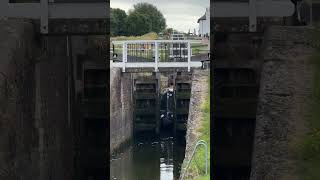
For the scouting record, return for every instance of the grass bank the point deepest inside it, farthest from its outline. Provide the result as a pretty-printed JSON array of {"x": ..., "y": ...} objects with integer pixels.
[
  {"x": 309, "y": 150},
  {"x": 197, "y": 166},
  {"x": 148, "y": 36},
  {"x": 199, "y": 48}
]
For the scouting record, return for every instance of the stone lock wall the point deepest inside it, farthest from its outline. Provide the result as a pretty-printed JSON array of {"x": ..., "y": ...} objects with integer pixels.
[
  {"x": 37, "y": 137},
  {"x": 18, "y": 131},
  {"x": 284, "y": 102},
  {"x": 54, "y": 128},
  {"x": 121, "y": 108}
]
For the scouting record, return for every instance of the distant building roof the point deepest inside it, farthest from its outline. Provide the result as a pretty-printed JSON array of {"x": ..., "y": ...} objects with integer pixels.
[{"x": 202, "y": 18}]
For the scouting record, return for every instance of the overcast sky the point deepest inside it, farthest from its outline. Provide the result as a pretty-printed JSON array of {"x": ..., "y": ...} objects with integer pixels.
[{"x": 180, "y": 14}]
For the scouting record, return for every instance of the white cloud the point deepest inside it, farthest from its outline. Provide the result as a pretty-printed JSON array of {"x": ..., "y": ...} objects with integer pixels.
[{"x": 181, "y": 15}]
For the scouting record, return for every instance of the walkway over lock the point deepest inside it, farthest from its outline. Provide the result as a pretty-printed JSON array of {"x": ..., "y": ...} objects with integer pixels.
[
  {"x": 155, "y": 54},
  {"x": 49, "y": 9},
  {"x": 253, "y": 9}
]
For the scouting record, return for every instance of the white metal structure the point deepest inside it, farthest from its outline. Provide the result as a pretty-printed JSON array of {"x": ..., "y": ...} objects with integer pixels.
[
  {"x": 203, "y": 143},
  {"x": 177, "y": 36},
  {"x": 177, "y": 47},
  {"x": 152, "y": 55},
  {"x": 253, "y": 9},
  {"x": 46, "y": 10}
]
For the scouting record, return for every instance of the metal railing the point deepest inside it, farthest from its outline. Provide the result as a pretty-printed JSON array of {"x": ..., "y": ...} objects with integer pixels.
[
  {"x": 153, "y": 54},
  {"x": 200, "y": 142},
  {"x": 47, "y": 9},
  {"x": 253, "y": 9}
]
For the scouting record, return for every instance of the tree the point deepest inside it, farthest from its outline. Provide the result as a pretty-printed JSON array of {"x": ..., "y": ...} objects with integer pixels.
[
  {"x": 118, "y": 22},
  {"x": 167, "y": 33},
  {"x": 137, "y": 24},
  {"x": 145, "y": 18}
]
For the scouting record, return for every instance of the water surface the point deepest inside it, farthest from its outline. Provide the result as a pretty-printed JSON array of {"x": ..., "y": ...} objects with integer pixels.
[{"x": 149, "y": 158}]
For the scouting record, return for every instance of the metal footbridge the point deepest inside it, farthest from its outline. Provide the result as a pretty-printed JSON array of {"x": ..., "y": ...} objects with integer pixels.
[
  {"x": 45, "y": 10},
  {"x": 252, "y": 9},
  {"x": 156, "y": 54}
]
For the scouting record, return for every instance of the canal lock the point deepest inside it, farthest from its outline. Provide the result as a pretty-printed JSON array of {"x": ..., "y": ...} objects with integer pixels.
[{"x": 161, "y": 107}]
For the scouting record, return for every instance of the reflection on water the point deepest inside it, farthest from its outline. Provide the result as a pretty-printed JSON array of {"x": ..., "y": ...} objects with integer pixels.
[{"x": 149, "y": 159}]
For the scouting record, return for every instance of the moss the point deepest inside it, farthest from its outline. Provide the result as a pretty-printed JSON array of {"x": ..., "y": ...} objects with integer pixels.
[
  {"x": 148, "y": 36},
  {"x": 199, "y": 48},
  {"x": 309, "y": 148}
]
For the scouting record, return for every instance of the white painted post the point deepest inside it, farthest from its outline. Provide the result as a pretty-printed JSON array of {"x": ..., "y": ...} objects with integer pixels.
[
  {"x": 3, "y": 6},
  {"x": 44, "y": 16},
  {"x": 252, "y": 16},
  {"x": 124, "y": 56},
  {"x": 189, "y": 55},
  {"x": 156, "y": 56},
  {"x": 311, "y": 12},
  {"x": 48, "y": 9}
]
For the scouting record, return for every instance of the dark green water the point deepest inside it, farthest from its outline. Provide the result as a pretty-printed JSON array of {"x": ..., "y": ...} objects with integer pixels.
[{"x": 150, "y": 158}]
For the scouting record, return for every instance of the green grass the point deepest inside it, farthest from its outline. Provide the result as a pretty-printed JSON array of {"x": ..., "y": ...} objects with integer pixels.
[
  {"x": 197, "y": 166},
  {"x": 309, "y": 148},
  {"x": 199, "y": 48},
  {"x": 148, "y": 36}
]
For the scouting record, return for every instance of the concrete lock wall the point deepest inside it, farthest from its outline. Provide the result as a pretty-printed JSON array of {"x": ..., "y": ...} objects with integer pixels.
[
  {"x": 284, "y": 102},
  {"x": 38, "y": 136},
  {"x": 121, "y": 108},
  {"x": 199, "y": 90},
  {"x": 36, "y": 139},
  {"x": 236, "y": 85},
  {"x": 18, "y": 128},
  {"x": 54, "y": 127}
]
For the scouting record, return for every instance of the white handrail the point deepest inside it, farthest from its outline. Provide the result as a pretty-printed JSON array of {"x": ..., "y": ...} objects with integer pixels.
[
  {"x": 155, "y": 47},
  {"x": 200, "y": 142},
  {"x": 159, "y": 41},
  {"x": 47, "y": 10},
  {"x": 156, "y": 56},
  {"x": 253, "y": 10}
]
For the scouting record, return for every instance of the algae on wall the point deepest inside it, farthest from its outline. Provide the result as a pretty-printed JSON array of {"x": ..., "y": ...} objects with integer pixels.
[{"x": 309, "y": 147}]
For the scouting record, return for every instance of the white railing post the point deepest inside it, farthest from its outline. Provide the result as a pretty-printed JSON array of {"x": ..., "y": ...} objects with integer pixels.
[
  {"x": 311, "y": 13},
  {"x": 252, "y": 16},
  {"x": 44, "y": 16},
  {"x": 47, "y": 9},
  {"x": 189, "y": 55},
  {"x": 124, "y": 56},
  {"x": 3, "y": 6},
  {"x": 156, "y": 63},
  {"x": 156, "y": 59}
]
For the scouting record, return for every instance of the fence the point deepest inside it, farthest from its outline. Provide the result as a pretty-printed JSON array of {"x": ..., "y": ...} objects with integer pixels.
[{"x": 153, "y": 54}]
